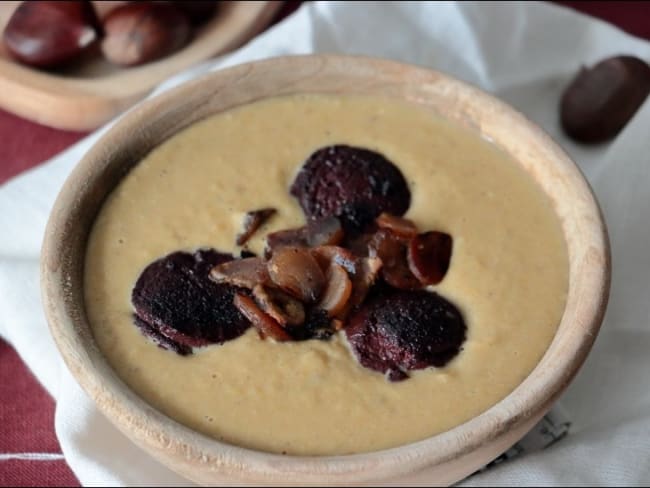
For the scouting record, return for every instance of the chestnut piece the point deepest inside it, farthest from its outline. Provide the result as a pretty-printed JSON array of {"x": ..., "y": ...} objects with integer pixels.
[
  {"x": 245, "y": 273},
  {"x": 263, "y": 322},
  {"x": 429, "y": 255},
  {"x": 602, "y": 99},
  {"x": 252, "y": 221},
  {"x": 361, "y": 271},
  {"x": 365, "y": 275},
  {"x": 285, "y": 238},
  {"x": 398, "y": 225},
  {"x": 295, "y": 270},
  {"x": 140, "y": 32},
  {"x": 282, "y": 307},
  {"x": 326, "y": 231},
  {"x": 328, "y": 255},
  {"x": 337, "y": 291},
  {"x": 46, "y": 34},
  {"x": 392, "y": 250}
]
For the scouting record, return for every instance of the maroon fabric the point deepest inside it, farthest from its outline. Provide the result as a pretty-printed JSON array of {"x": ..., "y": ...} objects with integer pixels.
[
  {"x": 26, "y": 411},
  {"x": 27, "y": 426},
  {"x": 36, "y": 473},
  {"x": 632, "y": 17},
  {"x": 23, "y": 144}
]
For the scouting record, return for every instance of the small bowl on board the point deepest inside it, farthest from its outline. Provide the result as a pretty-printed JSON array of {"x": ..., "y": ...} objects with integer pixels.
[
  {"x": 85, "y": 95},
  {"x": 441, "y": 459}
]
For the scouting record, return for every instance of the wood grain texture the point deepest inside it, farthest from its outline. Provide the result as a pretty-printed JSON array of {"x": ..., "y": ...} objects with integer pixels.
[
  {"x": 442, "y": 459},
  {"x": 84, "y": 96}
]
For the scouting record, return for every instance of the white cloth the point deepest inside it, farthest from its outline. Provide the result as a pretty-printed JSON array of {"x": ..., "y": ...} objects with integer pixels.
[{"x": 522, "y": 52}]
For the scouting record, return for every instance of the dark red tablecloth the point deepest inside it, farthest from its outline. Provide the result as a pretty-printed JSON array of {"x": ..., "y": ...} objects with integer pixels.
[{"x": 29, "y": 452}]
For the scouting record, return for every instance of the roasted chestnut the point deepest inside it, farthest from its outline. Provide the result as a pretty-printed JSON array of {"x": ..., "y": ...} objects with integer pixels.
[
  {"x": 601, "y": 100},
  {"x": 140, "y": 32},
  {"x": 47, "y": 34}
]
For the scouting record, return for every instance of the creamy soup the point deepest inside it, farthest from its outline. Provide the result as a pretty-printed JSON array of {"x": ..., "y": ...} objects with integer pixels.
[{"x": 508, "y": 275}]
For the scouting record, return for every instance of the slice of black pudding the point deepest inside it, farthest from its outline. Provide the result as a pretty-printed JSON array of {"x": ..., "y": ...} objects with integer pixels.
[
  {"x": 174, "y": 299},
  {"x": 351, "y": 183},
  {"x": 401, "y": 330},
  {"x": 160, "y": 340}
]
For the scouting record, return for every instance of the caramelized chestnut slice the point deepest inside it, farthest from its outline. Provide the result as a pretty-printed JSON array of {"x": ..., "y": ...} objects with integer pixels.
[
  {"x": 175, "y": 297},
  {"x": 397, "y": 225},
  {"x": 47, "y": 34},
  {"x": 318, "y": 232},
  {"x": 398, "y": 331},
  {"x": 351, "y": 183},
  {"x": 252, "y": 221},
  {"x": 363, "y": 278},
  {"x": 324, "y": 232},
  {"x": 337, "y": 291},
  {"x": 365, "y": 274},
  {"x": 327, "y": 255},
  {"x": 264, "y": 323},
  {"x": 285, "y": 238},
  {"x": 283, "y": 308},
  {"x": 359, "y": 245},
  {"x": 392, "y": 250},
  {"x": 429, "y": 255},
  {"x": 245, "y": 273},
  {"x": 361, "y": 271},
  {"x": 296, "y": 271}
]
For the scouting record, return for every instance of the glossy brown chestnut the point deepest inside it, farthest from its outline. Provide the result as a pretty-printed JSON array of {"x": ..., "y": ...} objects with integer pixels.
[
  {"x": 47, "y": 34},
  {"x": 601, "y": 100},
  {"x": 140, "y": 32}
]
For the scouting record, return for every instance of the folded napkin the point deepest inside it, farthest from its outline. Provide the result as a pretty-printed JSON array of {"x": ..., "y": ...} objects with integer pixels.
[{"x": 524, "y": 53}]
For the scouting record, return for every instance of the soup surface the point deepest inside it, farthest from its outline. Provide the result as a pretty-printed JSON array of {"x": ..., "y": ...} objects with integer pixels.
[{"x": 508, "y": 275}]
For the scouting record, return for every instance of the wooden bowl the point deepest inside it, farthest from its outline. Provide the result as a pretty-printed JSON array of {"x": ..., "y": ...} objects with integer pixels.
[{"x": 441, "y": 459}]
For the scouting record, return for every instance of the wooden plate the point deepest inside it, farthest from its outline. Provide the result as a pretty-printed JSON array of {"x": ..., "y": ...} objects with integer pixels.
[{"x": 86, "y": 95}]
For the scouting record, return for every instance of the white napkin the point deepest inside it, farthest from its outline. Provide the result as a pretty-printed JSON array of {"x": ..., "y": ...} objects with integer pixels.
[{"x": 524, "y": 53}]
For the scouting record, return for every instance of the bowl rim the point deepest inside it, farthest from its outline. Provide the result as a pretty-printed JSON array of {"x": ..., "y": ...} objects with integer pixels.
[{"x": 202, "y": 458}]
